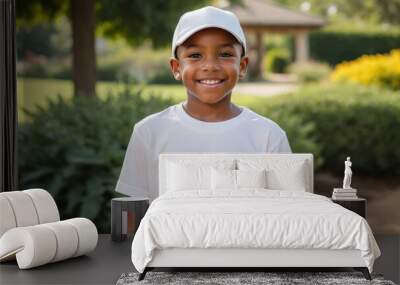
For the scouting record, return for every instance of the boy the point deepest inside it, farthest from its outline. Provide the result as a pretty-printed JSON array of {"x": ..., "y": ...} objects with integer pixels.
[{"x": 209, "y": 56}]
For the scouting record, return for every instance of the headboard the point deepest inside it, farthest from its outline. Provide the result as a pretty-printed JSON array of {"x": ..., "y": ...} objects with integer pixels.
[{"x": 165, "y": 158}]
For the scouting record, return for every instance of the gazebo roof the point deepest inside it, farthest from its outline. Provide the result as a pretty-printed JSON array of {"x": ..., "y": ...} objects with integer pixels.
[{"x": 261, "y": 13}]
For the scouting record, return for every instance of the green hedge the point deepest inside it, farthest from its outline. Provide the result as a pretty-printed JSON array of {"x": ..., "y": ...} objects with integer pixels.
[
  {"x": 162, "y": 76},
  {"x": 310, "y": 71},
  {"x": 75, "y": 150},
  {"x": 337, "y": 46},
  {"x": 346, "y": 120}
]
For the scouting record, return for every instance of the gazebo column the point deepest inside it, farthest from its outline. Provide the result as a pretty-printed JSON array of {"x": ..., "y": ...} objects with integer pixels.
[
  {"x": 302, "y": 48},
  {"x": 256, "y": 54}
]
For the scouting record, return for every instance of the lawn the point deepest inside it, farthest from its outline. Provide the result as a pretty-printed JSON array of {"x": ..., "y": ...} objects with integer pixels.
[{"x": 33, "y": 91}]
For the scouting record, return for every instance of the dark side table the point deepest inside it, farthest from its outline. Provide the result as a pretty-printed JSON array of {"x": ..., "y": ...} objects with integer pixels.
[
  {"x": 126, "y": 214},
  {"x": 358, "y": 205}
]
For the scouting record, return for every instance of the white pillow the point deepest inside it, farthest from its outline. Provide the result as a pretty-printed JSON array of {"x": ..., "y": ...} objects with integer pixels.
[
  {"x": 281, "y": 174},
  {"x": 227, "y": 179},
  {"x": 223, "y": 179},
  {"x": 251, "y": 178},
  {"x": 187, "y": 177},
  {"x": 188, "y": 174}
]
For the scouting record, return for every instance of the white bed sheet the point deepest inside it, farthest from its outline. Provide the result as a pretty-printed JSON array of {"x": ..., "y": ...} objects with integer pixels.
[{"x": 252, "y": 218}]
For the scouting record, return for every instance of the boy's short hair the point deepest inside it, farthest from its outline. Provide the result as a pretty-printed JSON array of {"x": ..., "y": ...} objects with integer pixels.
[{"x": 207, "y": 17}]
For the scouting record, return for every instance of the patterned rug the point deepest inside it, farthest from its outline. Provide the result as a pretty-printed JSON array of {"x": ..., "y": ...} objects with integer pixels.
[{"x": 243, "y": 278}]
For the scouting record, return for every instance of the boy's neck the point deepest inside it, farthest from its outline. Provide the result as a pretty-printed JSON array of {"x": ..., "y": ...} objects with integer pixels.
[{"x": 221, "y": 111}]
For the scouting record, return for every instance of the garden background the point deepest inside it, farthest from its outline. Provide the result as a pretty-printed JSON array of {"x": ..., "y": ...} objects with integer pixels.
[{"x": 89, "y": 70}]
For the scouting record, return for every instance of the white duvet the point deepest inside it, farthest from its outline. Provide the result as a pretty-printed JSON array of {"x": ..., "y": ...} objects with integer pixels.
[{"x": 250, "y": 219}]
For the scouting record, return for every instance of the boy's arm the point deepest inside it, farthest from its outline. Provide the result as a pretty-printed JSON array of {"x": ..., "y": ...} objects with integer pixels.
[
  {"x": 133, "y": 179},
  {"x": 283, "y": 145}
]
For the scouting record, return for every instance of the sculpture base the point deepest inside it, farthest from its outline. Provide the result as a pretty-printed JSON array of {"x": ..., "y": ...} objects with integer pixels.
[
  {"x": 344, "y": 190},
  {"x": 344, "y": 193}
]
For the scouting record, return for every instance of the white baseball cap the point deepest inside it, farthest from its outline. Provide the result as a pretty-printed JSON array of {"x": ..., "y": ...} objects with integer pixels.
[{"x": 207, "y": 17}]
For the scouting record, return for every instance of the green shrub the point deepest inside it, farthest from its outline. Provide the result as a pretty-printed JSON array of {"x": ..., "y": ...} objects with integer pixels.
[
  {"x": 75, "y": 150},
  {"x": 163, "y": 76},
  {"x": 54, "y": 68},
  {"x": 335, "y": 46},
  {"x": 109, "y": 72},
  {"x": 276, "y": 60},
  {"x": 118, "y": 62},
  {"x": 300, "y": 133},
  {"x": 310, "y": 71},
  {"x": 33, "y": 70},
  {"x": 380, "y": 70},
  {"x": 116, "y": 72},
  {"x": 346, "y": 120}
]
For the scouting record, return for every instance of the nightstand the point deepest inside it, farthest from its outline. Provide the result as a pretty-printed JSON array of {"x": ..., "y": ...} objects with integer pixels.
[
  {"x": 358, "y": 205},
  {"x": 126, "y": 214}
]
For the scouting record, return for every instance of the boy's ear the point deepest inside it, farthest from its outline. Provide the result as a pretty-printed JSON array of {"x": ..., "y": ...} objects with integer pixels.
[
  {"x": 244, "y": 62},
  {"x": 174, "y": 64}
]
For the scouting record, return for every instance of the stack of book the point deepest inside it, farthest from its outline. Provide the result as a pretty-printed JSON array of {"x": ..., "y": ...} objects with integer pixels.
[{"x": 344, "y": 194}]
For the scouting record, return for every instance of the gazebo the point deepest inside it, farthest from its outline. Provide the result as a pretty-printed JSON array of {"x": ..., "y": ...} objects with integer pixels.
[{"x": 259, "y": 17}]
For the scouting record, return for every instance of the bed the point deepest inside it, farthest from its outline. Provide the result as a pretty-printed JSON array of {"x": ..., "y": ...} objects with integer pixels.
[{"x": 247, "y": 210}]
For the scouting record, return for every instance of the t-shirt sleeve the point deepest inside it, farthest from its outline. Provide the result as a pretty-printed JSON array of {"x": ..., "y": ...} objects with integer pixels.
[
  {"x": 133, "y": 179},
  {"x": 282, "y": 145}
]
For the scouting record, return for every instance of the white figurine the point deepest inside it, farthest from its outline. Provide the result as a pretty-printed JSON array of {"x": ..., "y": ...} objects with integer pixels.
[{"x": 347, "y": 174}]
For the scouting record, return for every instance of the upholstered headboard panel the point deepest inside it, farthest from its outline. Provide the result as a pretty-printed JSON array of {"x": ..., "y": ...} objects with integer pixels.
[{"x": 246, "y": 160}]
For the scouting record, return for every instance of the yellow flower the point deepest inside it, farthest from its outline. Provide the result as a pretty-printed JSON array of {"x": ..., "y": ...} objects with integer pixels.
[{"x": 380, "y": 69}]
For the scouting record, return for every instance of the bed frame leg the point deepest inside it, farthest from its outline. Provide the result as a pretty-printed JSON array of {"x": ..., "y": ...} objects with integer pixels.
[
  {"x": 143, "y": 274},
  {"x": 364, "y": 271}
]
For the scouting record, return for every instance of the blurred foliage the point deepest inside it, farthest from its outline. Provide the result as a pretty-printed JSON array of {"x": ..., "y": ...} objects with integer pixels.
[
  {"x": 276, "y": 60},
  {"x": 116, "y": 61},
  {"x": 163, "y": 76},
  {"x": 335, "y": 46},
  {"x": 373, "y": 11},
  {"x": 33, "y": 12},
  {"x": 36, "y": 40},
  {"x": 300, "y": 132},
  {"x": 310, "y": 71},
  {"x": 44, "y": 39},
  {"x": 273, "y": 41},
  {"x": 135, "y": 20},
  {"x": 381, "y": 70},
  {"x": 344, "y": 120},
  {"x": 76, "y": 149}
]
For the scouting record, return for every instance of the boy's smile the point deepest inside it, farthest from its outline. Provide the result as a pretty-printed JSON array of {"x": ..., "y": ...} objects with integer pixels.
[{"x": 209, "y": 63}]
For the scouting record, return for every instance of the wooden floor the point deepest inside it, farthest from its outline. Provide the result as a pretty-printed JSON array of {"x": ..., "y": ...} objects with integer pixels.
[{"x": 110, "y": 260}]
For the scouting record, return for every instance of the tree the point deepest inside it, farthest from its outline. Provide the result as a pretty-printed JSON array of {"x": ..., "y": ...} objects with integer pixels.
[
  {"x": 374, "y": 11},
  {"x": 134, "y": 20}
]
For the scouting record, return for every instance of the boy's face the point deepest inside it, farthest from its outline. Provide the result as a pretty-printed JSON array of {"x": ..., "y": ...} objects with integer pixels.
[{"x": 209, "y": 64}]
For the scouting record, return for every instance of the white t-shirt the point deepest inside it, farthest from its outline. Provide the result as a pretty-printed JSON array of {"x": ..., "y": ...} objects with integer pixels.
[{"x": 174, "y": 130}]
